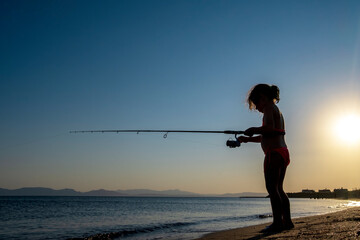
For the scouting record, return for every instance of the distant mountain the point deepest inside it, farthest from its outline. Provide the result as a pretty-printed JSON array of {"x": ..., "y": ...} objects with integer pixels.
[
  {"x": 147, "y": 192},
  {"x": 105, "y": 193},
  {"x": 40, "y": 191},
  {"x": 244, "y": 194},
  {"x": 5, "y": 192}
]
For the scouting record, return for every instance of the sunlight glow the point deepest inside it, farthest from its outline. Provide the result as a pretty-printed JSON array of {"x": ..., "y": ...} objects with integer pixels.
[
  {"x": 353, "y": 204},
  {"x": 347, "y": 128}
]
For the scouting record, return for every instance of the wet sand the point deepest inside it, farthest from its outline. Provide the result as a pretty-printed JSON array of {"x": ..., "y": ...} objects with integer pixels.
[{"x": 339, "y": 225}]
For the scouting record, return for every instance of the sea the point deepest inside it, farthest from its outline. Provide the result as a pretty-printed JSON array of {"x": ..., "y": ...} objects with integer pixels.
[{"x": 140, "y": 218}]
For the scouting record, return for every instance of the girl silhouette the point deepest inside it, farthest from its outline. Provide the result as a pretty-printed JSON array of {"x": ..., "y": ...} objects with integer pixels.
[{"x": 263, "y": 98}]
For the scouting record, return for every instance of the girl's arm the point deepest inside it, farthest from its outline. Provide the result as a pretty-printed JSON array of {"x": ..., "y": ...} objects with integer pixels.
[
  {"x": 267, "y": 127},
  {"x": 256, "y": 139}
]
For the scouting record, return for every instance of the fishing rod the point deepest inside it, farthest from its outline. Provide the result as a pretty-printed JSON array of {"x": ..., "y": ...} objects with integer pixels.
[{"x": 230, "y": 143}]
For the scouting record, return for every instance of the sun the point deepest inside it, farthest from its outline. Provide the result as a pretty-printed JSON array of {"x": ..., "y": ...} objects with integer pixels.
[{"x": 347, "y": 128}]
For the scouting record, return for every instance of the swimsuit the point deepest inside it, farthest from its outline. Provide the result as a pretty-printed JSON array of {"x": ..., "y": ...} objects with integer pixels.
[
  {"x": 275, "y": 132},
  {"x": 279, "y": 131},
  {"x": 283, "y": 151}
]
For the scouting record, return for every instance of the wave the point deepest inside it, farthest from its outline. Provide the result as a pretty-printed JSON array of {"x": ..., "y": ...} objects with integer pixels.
[
  {"x": 133, "y": 231},
  {"x": 166, "y": 226}
]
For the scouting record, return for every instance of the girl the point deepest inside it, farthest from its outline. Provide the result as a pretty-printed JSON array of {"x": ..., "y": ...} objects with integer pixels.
[{"x": 263, "y": 98}]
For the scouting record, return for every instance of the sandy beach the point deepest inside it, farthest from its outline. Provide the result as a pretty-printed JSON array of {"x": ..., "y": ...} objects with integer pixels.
[{"x": 339, "y": 225}]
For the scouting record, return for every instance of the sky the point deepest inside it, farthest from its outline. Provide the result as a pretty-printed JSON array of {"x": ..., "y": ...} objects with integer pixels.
[{"x": 188, "y": 65}]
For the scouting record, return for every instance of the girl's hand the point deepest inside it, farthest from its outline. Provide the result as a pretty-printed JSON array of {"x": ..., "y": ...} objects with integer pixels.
[
  {"x": 242, "y": 139},
  {"x": 249, "y": 132}
]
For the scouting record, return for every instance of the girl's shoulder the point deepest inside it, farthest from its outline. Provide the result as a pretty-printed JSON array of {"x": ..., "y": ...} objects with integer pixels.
[
  {"x": 276, "y": 109},
  {"x": 273, "y": 111}
]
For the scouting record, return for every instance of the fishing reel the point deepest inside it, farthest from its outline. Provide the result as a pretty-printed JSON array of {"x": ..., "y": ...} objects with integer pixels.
[{"x": 233, "y": 143}]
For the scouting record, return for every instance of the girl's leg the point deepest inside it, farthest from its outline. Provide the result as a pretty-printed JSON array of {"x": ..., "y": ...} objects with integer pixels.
[
  {"x": 273, "y": 181},
  {"x": 288, "y": 224}
]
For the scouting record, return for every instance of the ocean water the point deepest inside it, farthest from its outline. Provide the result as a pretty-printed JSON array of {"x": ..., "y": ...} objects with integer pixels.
[{"x": 140, "y": 218}]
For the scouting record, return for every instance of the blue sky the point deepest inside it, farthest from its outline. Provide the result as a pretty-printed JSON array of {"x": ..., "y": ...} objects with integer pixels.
[{"x": 73, "y": 65}]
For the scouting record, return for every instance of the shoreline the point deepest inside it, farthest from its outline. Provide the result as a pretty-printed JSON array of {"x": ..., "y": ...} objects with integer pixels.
[{"x": 344, "y": 224}]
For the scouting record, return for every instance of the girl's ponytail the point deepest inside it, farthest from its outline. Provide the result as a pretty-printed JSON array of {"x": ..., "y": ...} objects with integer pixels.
[{"x": 275, "y": 93}]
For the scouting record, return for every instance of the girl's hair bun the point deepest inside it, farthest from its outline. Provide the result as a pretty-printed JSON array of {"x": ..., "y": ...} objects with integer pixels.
[{"x": 275, "y": 92}]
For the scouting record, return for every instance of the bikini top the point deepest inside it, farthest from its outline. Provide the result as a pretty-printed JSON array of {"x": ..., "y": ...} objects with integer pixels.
[
  {"x": 279, "y": 131},
  {"x": 276, "y": 131}
]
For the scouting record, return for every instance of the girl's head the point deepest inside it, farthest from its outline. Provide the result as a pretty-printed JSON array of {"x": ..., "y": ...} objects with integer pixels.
[{"x": 262, "y": 92}]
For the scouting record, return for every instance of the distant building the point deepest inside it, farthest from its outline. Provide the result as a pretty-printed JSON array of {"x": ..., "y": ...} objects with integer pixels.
[
  {"x": 341, "y": 190},
  {"x": 341, "y": 193},
  {"x": 308, "y": 191},
  {"x": 324, "y": 191}
]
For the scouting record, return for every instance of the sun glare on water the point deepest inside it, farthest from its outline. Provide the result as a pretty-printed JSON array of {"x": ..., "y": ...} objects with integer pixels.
[{"x": 347, "y": 129}]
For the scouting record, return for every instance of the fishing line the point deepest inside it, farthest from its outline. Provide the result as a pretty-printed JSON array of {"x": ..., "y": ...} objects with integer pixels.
[{"x": 194, "y": 141}]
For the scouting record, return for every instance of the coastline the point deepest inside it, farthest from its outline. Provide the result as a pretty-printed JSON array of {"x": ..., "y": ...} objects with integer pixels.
[{"x": 343, "y": 224}]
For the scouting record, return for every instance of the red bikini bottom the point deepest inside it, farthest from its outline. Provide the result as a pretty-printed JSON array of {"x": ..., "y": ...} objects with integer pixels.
[{"x": 283, "y": 151}]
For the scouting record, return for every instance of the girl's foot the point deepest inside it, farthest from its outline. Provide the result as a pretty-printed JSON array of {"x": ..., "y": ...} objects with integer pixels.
[
  {"x": 288, "y": 225},
  {"x": 273, "y": 228}
]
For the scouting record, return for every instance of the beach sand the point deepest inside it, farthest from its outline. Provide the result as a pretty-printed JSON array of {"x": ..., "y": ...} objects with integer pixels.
[{"x": 339, "y": 225}]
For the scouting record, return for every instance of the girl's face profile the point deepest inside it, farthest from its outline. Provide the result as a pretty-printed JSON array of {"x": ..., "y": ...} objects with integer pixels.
[
  {"x": 259, "y": 104},
  {"x": 259, "y": 107}
]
